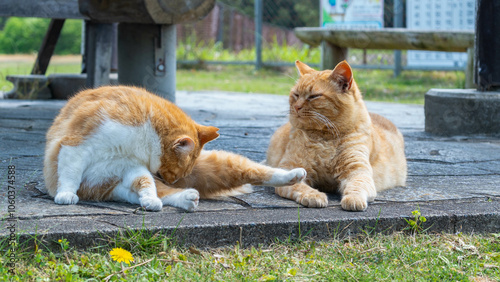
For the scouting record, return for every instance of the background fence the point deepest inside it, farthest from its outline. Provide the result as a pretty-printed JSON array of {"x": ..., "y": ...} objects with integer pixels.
[{"x": 231, "y": 26}]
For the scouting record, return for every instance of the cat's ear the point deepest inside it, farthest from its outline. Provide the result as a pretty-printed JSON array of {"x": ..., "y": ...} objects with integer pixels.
[
  {"x": 342, "y": 75},
  {"x": 207, "y": 133},
  {"x": 184, "y": 145},
  {"x": 303, "y": 68}
]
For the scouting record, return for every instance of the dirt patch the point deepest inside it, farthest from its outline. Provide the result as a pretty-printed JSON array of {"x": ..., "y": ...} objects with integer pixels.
[{"x": 18, "y": 58}]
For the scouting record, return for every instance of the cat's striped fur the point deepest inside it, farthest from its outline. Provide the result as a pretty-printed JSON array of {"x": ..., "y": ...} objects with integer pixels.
[{"x": 343, "y": 148}]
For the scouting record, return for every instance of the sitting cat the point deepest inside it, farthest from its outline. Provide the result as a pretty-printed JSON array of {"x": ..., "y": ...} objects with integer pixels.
[
  {"x": 343, "y": 148},
  {"x": 123, "y": 144}
]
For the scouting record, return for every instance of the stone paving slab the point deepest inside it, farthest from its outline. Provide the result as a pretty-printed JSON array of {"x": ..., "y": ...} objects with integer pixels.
[{"x": 455, "y": 181}]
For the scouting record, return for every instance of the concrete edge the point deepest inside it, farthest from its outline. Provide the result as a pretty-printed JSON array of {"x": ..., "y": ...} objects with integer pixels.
[{"x": 248, "y": 228}]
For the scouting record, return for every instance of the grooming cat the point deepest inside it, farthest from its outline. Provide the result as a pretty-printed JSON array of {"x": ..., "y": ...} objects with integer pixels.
[
  {"x": 123, "y": 144},
  {"x": 343, "y": 148}
]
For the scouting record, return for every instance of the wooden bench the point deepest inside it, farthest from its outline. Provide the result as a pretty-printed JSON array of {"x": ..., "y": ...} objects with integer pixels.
[
  {"x": 335, "y": 42},
  {"x": 146, "y": 37}
]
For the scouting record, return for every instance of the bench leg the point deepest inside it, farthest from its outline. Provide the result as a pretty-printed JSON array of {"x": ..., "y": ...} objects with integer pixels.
[
  {"x": 48, "y": 46},
  {"x": 98, "y": 50},
  {"x": 146, "y": 57},
  {"x": 331, "y": 55},
  {"x": 469, "y": 69}
]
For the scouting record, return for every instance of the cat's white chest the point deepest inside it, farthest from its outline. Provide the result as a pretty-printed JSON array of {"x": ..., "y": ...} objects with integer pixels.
[{"x": 115, "y": 148}]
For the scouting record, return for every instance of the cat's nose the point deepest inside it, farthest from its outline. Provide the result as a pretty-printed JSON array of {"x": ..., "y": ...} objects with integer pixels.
[{"x": 297, "y": 107}]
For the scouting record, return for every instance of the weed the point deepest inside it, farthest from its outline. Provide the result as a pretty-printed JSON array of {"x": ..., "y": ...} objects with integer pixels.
[
  {"x": 370, "y": 230},
  {"x": 64, "y": 244},
  {"x": 300, "y": 237},
  {"x": 415, "y": 223}
]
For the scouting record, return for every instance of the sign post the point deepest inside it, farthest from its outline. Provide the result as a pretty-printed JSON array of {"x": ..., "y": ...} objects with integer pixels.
[{"x": 347, "y": 14}]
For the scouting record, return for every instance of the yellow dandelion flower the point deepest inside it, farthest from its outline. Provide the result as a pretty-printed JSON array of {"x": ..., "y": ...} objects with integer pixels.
[
  {"x": 121, "y": 255},
  {"x": 59, "y": 240}
]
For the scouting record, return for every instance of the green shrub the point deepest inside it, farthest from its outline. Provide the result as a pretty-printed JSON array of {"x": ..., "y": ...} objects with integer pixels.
[
  {"x": 25, "y": 35},
  {"x": 192, "y": 50},
  {"x": 71, "y": 38}
]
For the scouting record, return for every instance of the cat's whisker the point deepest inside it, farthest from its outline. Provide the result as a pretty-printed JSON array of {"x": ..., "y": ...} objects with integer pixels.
[
  {"x": 293, "y": 78},
  {"x": 322, "y": 122},
  {"x": 307, "y": 114},
  {"x": 157, "y": 177},
  {"x": 317, "y": 120},
  {"x": 335, "y": 128},
  {"x": 328, "y": 123},
  {"x": 286, "y": 113},
  {"x": 313, "y": 118}
]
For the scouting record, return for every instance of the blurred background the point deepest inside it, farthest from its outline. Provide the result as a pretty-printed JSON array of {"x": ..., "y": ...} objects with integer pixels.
[{"x": 223, "y": 45}]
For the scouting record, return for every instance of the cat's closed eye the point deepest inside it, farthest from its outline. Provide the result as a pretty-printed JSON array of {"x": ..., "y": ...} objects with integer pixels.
[
  {"x": 315, "y": 96},
  {"x": 295, "y": 96}
]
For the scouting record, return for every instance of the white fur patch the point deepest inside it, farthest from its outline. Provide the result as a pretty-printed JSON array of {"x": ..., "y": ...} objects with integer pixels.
[
  {"x": 66, "y": 198},
  {"x": 113, "y": 151},
  {"x": 282, "y": 177},
  {"x": 146, "y": 197},
  {"x": 187, "y": 199},
  {"x": 71, "y": 165}
]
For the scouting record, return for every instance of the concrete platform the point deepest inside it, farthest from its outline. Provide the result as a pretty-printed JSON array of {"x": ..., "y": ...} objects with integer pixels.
[
  {"x": 455, "y": 181},
  {"x": 450, "y": 112}
]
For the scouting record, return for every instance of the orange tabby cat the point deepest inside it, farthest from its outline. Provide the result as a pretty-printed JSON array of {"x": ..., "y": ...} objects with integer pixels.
[
  {"x": 343, "y": 148},
  {"x": 114, "y": 143}
]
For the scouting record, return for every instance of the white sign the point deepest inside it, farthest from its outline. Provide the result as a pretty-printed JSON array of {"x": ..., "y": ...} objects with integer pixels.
[
  {"x": 346, "y": 14},
  {"x": 439, "y": 15}
]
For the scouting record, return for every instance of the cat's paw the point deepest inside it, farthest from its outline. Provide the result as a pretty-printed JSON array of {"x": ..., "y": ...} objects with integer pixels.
[
  {"x": 285, "y": 178},
  {"x": 297, "y": 175},
  {"x": 314, "y": 199},
  {"x": 188, "y": 199},
  {"x": 354, "y": 202},
  {"x": 66, "y": 198},
  {"x": 151, "y": 203}
]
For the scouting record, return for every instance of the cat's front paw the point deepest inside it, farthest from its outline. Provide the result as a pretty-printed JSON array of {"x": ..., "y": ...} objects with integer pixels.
[
  {"x": 297, "y": 175},
  {"x": 66, "y": 198},
  {"x": 314, "y": 199},
  {"x": 151, "y": 203},
  {"x": 354, "y": 202},
  {"x": 285, "y": 178},
  {"x": 189, "y": 199}
]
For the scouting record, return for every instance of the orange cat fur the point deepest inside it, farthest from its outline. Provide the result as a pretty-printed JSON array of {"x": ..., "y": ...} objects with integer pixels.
[
  {"x": 120, "y": 143},
  {"x": 343, "y": 147}
]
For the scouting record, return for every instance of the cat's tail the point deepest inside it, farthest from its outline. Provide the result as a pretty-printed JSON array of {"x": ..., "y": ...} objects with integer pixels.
[{"x": 244, "y": 189}]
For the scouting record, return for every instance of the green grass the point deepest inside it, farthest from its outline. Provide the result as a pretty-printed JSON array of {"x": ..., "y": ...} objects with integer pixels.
[
  {"x": 397, "y": 257},
  {"x": 23, "y": 68},
  {"x": 409, "y": 87},
  {"x": 237, "y": 79},
  {"x": 376, "y": 85}
]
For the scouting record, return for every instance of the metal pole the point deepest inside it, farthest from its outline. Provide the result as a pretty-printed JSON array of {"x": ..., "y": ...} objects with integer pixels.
[
  {"x": 220, "y": 28},
  {"x": 487, "y": 44},
  {"x": 398, "y": 22},
  {"x": 146, "y": 57},
  {"x": 258, "y": 34}
]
